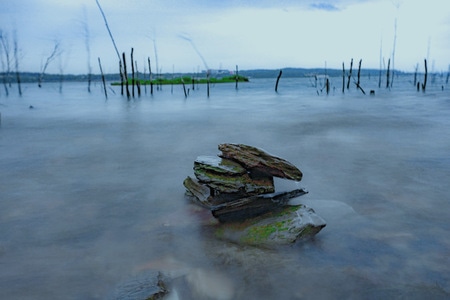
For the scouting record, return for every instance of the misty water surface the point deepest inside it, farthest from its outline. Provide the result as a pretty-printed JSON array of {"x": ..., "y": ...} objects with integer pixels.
[{"x": 91, "y": 189}]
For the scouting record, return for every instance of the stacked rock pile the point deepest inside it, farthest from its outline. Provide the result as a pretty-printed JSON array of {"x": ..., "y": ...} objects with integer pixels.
[{"x": 238, "y": 187}]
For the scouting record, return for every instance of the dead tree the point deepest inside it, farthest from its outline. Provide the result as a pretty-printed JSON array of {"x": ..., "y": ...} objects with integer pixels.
[
  {"x": 448, "y": 75},
  {"x": 358, "y": 83},
  {"x": 387, "y": 73},
  {"x": 350, "y": 74},
  {"x": 103, "y": 77},
  {"x": 150, "y": 76},
  {"x": 4, "y": 47},
  {"x": 132, "y": 72},
  {"x": 278, "y": 80},
  {"x": 415, "y": 74},
  {"x": 379, "y": 73},
  {"x": 16, "y": 63},
  {"x": 114, "y": 44},
  {"x": 424, "y": 84},
  {"x": 138, "y": 83},
  {"x": 125, "y": 74},
  {"x": 6, "y": 63},
  {"x": 237, "y": 77},
  {"x": 54, "y": 54},
  {"x": 88, "y": 48}
]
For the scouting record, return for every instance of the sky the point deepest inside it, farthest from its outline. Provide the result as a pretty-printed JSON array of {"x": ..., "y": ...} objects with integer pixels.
[{"x": 193, "y": 35}]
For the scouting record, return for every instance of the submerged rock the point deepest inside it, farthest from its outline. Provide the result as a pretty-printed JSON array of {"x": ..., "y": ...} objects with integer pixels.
[
  {"x": 283, "y": 226},
  {"x": 254, "y": 158},
  {"x": 149, "y": 285}
]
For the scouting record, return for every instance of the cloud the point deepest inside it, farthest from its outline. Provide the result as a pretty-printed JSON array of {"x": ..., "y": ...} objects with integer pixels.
[{"x": 324, "y": 6}]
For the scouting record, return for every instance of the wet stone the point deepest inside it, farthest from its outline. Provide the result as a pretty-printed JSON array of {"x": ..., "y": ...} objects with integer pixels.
[
  {"x": 239, "y": 190},
  {"x": 198, "y": 191},
  {"x": 254, "y": 158},
  {"x": 282, "y": 226},
  {"x": 149, "y": 285},
  {"x": 226, "y": 176}
]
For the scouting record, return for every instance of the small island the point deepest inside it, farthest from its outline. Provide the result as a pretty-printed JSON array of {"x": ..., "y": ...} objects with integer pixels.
[{"x": 186, "y": 80}]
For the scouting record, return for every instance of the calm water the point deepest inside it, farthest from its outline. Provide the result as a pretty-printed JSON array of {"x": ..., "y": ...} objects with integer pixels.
[{"x": 91, "y": 190}]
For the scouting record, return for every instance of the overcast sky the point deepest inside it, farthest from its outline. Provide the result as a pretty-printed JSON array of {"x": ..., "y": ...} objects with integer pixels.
[{"x": 189, "y": 35}]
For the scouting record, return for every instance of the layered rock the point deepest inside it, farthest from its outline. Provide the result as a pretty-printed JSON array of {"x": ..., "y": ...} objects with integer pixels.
[
  {"x": 238, "y": 188},
  {"x": 282, "y": 226},
  {"x": 227, "y": 176},
  {"x": 257, "y": 159}
]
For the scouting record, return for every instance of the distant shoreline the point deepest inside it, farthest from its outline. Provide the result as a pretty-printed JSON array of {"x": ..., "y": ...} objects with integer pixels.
[{"x": 26, "y": 77}]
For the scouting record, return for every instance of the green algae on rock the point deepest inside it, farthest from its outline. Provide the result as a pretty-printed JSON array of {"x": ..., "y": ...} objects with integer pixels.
[{"x": 283, "y": 226}]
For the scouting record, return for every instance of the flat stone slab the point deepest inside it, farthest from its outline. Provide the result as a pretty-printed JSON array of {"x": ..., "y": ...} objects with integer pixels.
[
  {"x": 227, "y": 176},
  {"x": 254, "y": 158},
  {"x": 200, "y": 192},
  {"x": 250, "y": 207},
  {"x": 282, "y": 226}
]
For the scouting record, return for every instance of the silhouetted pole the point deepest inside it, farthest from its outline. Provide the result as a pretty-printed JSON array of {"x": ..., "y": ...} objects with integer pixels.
[
  {"x": 207, "y": 83},
  {"x": 103, "y": 77},
  {"x": 184, "y": 88},
  {"x": 387, "y": 73},
  {"x": 278, "y": 80},
  {"x": 138, "y": 82},
  {"x": 424, "y": 84},
  {"x": 132, "y": 72},
  {"x": 358, "y": 85},
  {"x": 150, "y": 76},
  {"x": 237, "y": 77},
  {"x": 125, "y": 74},
  {"x": 448, "y": 75},
  {"x": 343, "y": 78},
  {"x": 350, "y": 74},
  {"x": 415, "y": 75}
]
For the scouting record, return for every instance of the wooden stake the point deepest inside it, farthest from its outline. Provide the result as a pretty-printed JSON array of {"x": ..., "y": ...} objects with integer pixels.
[{"x": 103, "y": 77}]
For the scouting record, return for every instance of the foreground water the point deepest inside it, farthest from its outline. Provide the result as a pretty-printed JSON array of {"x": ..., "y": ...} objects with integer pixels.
[{"x": 91, "y": 190}]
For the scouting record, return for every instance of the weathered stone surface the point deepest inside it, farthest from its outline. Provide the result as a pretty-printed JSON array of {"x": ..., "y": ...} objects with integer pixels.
[
  {"x": 218, "y": 165},
  {"x": 199, "y": 191},
  {"x": 149, "y": 285},
  {"x": 249, "y": 207},
  {"x": 239, "y": 190},
  {"x": 282, "y": 226},
  {"x": 226, "y": 176},
  {"x": 254, "y": 158}
]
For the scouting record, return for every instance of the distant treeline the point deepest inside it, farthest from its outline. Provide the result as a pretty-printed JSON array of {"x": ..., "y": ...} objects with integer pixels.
[{"x": 258, "y": 73}]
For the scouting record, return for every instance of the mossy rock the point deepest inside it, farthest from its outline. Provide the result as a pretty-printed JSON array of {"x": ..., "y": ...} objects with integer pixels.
[{"x": 283, "y": 226}]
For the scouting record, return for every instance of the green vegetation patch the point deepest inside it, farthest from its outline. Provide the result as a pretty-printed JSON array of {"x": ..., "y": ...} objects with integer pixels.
[{"x": 186, "y": 80}]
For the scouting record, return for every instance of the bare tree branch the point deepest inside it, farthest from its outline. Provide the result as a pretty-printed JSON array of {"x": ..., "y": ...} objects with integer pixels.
[{"x": 54, "y": 54}]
